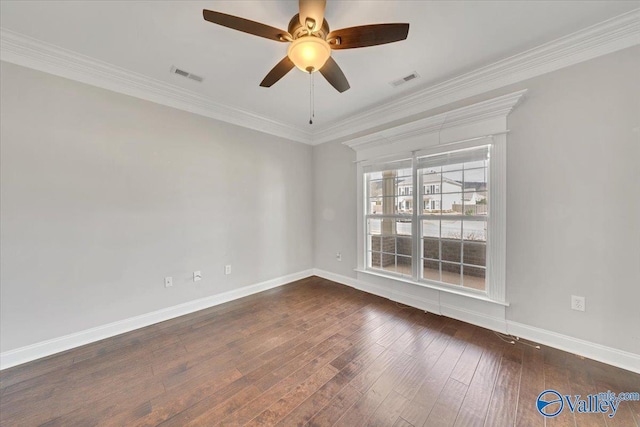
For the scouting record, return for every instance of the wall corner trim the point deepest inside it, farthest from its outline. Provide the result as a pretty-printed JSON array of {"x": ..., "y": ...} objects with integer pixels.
[{"x": 41, "y": 349}]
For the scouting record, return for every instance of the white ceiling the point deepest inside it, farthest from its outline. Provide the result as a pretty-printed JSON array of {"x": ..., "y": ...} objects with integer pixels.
[{"x": 446, "y": 38}]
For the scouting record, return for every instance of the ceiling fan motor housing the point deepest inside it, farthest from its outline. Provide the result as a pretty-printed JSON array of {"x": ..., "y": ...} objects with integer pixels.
[{"x": 297, "y": 30}]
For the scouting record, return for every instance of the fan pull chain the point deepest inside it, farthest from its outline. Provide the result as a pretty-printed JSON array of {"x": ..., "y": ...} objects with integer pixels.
[{"x": 312, "y": 109}]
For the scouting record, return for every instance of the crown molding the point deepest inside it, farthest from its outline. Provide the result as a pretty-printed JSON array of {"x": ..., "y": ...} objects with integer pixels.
[
  {"x": 498, "y": 107},
  {"x": 32, "y": 53},
  {"x": 606, "y": 37}
]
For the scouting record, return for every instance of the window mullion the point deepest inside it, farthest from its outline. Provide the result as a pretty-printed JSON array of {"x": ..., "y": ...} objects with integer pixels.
[{"x": 415, "y": 227}]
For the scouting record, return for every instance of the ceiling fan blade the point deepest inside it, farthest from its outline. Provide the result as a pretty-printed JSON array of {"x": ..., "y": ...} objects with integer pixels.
[
  {"x": 246, "y": 26},
  {"x": 367, "y": 35},
  {"x": 277, "y": 72},
  {"x": 334, "y": 75},
  {"x": 312, "y": 9}
]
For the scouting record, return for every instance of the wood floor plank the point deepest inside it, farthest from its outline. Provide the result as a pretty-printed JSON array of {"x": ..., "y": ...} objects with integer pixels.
[
  {"x": 476, "y": 402},
  {"x": 291, "y": 400},
  {"x": 331, "y": 413},
  {"x": 624, "y": 415},
  {"x": 466, "y": 366},
  {"x": 401, "y": 422},
  {"x": 364, "y": 408},
  {"x": 445, "y": 409},
  {"x": 581, "y": 384},
  {"x": 556, "y": 378},
  {"x": 303, "y": 413},
  {"x": 271, "y": 395},
  {"x": 389, "y": 410},
  {"x": 504, "y": 399},
  {"x": 531, "y": 385},
  {"x": 312, "y": 353}
]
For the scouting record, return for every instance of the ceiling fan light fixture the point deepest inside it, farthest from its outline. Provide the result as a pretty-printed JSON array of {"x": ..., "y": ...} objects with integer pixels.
[{"x": 309, "y": 53}]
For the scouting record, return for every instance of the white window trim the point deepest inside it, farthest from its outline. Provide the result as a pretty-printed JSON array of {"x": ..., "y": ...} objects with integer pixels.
[{"x": 484, "y": 123}]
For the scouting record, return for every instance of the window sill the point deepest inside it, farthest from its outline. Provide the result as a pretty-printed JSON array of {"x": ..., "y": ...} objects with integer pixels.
[{"x": 470, "y": 294}]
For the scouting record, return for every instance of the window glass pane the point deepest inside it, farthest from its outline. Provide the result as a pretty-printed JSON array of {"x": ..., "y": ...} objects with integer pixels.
[
  {"x": 453, "y": 167},
  {"x": 374, "y": 226},
  {"x": 403, "y": 227},
  {"x": 452, "y": 182},
  {"x": 476, "y": 164},
  {"x": 474, "y": 277},
  {"x": 390, "y": 192},
  {"x": 389, "y": 262},
  {"x": 375, "y": 188},
  {"x": 474, "y": 253},
  {"x": 450, "y": 273},
  {"x": 373, "y": 243},
  {"x": 374, "y": 259},
  {"x": 431, "y": 181},
  {"x": 404, "y": 205},
  {"x": 451, "y": 229},
  {"x": 431, "y": 204},
  {"x": 403, "y": 246},
  {"x": 403, "y": 265},
  {"x": 475, "y": 191},
  {"x": 431, "y": 228},
  {"x": 431, "y": 270},
  {"x": 374, "y": 175},
  {"x": 452, "y": 203},
  {"x": 431, "y": 248},
  {"x": 404, "y": 172},
  {"x": 475, "y": 175},
  {"x": 475, "y": 230},
  {"x": 375, "y": 206},
  {"x": 451, "y": 250},
  {"x": 388, "y": 244}
]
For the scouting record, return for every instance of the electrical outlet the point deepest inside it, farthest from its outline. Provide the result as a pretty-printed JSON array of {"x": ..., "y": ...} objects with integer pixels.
[
  {"x": 197, "y": 276},
  {"x": 577, "y": 303},
  {"x": 227, "y": 269},
  {"x": 339, "y": 256},
  {"x": 168, "y": 282}
]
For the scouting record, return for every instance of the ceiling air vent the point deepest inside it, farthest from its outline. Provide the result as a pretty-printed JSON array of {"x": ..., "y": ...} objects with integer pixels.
[
  {"x": 405, "y": 79},
  {"x": 183, "y": 73}
]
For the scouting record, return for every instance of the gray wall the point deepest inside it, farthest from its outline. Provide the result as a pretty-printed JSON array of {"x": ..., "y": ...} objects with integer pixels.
[
  {"x": 334, "y": 206},
  {"x": 573, "y": 201},
  {"x": 103, "y": 195}
]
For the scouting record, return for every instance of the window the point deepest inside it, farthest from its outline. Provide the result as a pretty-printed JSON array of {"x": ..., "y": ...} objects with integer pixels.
[
  {"x": 444, "y": 241},
  {"x": 389, "y": 218},
  {"x": 449, "y": 234},
  {"x": 453, "y": 232}
]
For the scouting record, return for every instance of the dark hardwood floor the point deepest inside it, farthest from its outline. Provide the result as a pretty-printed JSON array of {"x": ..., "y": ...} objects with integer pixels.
[{"x": 310, "y": 353}]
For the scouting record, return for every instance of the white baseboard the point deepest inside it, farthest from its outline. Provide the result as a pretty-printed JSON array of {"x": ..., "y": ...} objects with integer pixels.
[
  {"x": 432, "y": 306},
  {"x": 608, "y": 355},
  {"x": 611, "y": 356},
  {"x": 56, "y": 345},
  {"x": 473, "y": 317},
  {"x": 601, "y": 353}
]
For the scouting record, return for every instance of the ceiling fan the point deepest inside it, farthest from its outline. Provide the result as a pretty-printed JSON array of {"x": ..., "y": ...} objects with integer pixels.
[{"x": 311, "y": 41}]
